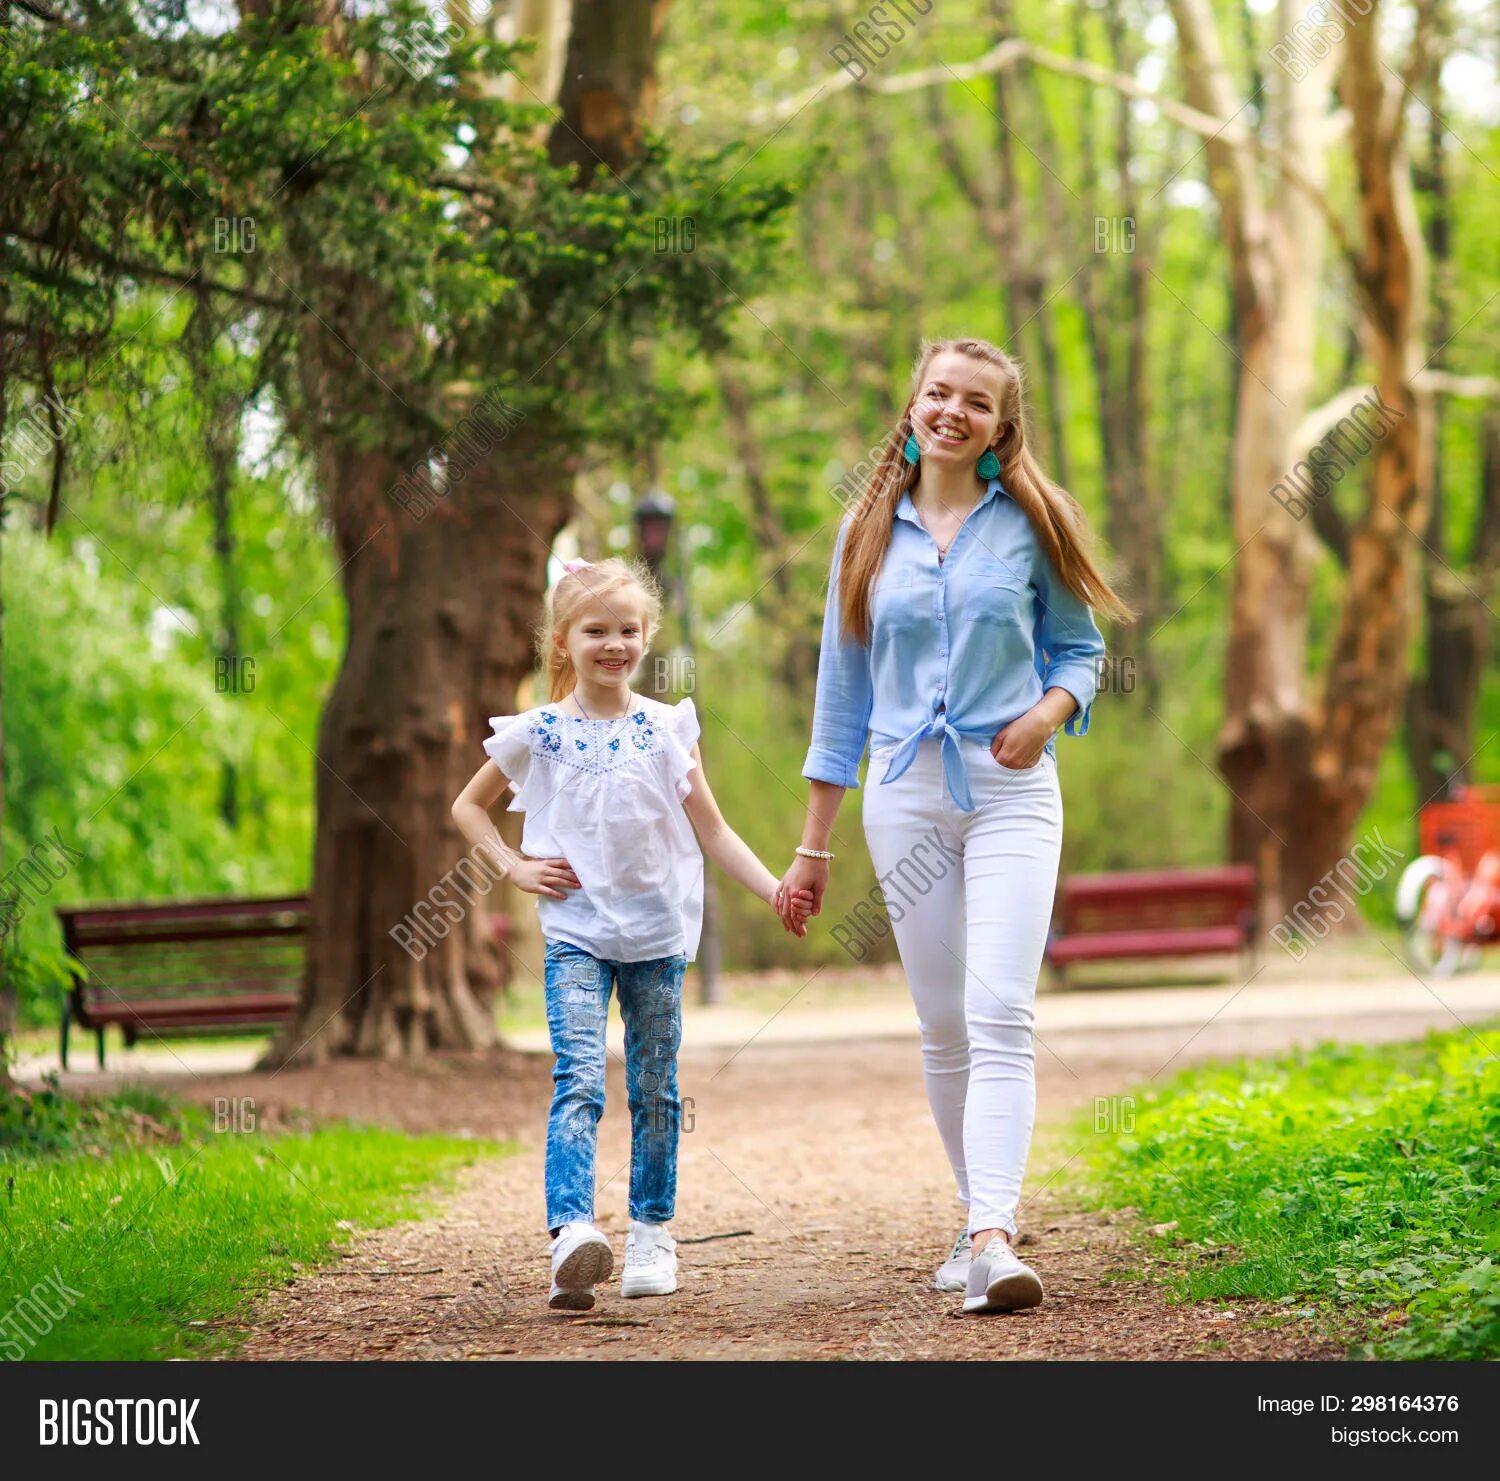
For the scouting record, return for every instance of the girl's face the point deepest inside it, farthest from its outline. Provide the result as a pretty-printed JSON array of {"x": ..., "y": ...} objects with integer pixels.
[
  {"x": 957, "y": 413},
  {"x": 607, "y": 638}
]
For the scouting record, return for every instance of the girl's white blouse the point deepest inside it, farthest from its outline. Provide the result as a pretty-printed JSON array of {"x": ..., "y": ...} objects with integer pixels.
[{"x": 606, "y": 795}]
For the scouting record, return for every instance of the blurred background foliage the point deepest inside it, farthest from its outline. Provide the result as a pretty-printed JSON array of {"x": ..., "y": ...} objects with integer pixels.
[{"x": 117, "y": 735}]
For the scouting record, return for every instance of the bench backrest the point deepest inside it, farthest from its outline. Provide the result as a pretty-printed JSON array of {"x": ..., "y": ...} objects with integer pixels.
[
  {"x": 208, "y": 948},
  {"x": 1165, "y": 899}
]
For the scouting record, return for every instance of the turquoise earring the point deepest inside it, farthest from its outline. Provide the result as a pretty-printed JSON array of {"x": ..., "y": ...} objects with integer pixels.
[{"x": 988, "y": 466}]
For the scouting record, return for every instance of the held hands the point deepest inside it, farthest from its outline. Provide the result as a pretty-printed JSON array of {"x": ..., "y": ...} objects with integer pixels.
[
  {"x": 800, "y": 893},
  {"x": 548, "y": 877},
  {"x": 798, "y": 907}
]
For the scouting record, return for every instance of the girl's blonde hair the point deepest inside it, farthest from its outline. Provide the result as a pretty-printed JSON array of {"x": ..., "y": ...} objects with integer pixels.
[
  {"x": 598, "y": 581},
  {"x": 1055, "y": 514}
]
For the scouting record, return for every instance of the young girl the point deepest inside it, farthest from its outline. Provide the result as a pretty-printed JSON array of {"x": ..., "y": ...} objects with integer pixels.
[
  {"x": 957, "y": 638},
  {"x": 609, "y": 782}
]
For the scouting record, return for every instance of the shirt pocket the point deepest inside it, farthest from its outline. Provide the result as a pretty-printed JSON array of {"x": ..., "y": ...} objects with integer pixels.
[{"x": 999, "y": 592}]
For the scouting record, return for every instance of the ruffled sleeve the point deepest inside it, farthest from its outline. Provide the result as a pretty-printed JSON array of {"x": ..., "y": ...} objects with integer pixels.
[
  {"x": 682, "y": 732},
  {"x": 510, "y": 746}
]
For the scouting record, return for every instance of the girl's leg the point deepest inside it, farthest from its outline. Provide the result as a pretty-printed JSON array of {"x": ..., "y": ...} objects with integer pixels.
[
  {"x": 651, "y": 1005},
  {"x": 912, "y": 832},
  {"x": 1011, "y": 848},
  {"x": 577, "y": 990}
]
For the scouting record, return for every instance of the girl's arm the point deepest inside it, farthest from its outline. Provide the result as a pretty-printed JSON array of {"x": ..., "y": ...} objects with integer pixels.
[
  {"x": 725, "y": 847},
  {"x": 471, "y": 811}
]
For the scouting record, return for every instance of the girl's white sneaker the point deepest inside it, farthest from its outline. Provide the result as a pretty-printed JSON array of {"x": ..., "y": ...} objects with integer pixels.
[
  {"x": 581, "y": 1257},
  {"x": 650, "y": 1261},
  {"x": 953, "y": 1273},
  {"x": 1000, "y": 1281}
]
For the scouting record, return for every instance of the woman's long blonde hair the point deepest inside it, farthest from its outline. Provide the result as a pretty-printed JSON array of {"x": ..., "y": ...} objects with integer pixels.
[
  {"x": 577, "y": 588},
  {"x": 1056, "y": 516}
]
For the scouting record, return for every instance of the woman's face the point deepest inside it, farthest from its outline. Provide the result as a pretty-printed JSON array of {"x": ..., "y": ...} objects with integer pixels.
[{"x": 957, "y": 413}]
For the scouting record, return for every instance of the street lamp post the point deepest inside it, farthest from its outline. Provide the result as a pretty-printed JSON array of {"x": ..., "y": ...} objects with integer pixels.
[{"x": 654, "y": 517}]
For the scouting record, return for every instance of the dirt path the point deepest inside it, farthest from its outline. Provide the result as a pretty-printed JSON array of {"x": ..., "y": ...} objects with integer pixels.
[{"x": 824, "y": 1153}]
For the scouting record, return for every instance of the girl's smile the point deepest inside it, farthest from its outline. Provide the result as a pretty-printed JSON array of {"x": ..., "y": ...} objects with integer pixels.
[{"x": 605, "y": 642}]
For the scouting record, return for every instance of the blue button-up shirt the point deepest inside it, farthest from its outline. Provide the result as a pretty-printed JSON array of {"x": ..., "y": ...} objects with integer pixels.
[{"x": 959, "y": 647}]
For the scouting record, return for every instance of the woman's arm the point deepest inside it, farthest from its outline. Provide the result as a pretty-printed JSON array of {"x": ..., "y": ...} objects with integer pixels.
[
  {"x": 1020, "y": 744},
  {"x": 1069, "y": 646},
  {"x": 844, "y": 694},
  {"x": 728, "y": 850},
  {"x": 842, "y": 703},
  {"x": 823, "y": 802}
]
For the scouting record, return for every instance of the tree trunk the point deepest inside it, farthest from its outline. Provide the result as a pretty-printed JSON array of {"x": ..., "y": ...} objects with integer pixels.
[
  {"x": 8, "y": 992},
  {"x": 1365, "y": 683},
  {"x": 440, "y": 617},
  {"x": 608, "y": 89},
  {"x": 1442, "y": 700},
  {"x": 1113, "y": 293},
  {"x": 443, "y": 595},
  {"x": 1275, "y": 256},
  {"x": 1301, "y": 773}
]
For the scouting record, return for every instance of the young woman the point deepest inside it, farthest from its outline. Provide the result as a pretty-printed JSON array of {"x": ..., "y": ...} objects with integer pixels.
[
  {"x": 957, "y": 638},
  {"x": 612, "y": 786}
]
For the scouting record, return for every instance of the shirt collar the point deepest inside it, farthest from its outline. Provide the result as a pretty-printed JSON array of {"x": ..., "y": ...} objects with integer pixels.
[{"x": 905, "y": 509}]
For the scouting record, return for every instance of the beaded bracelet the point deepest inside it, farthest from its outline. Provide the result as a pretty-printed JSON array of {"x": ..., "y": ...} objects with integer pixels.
[{"x": 814, "y": 853}]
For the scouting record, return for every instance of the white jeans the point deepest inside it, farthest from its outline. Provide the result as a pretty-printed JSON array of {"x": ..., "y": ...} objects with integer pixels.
[{"x": 969, "y": 897}]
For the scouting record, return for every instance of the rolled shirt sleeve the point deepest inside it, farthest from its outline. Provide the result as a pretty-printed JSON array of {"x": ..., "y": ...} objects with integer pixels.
[
  {"x": 844, "y": 696},
  {"x": 1069, "y": 645}
]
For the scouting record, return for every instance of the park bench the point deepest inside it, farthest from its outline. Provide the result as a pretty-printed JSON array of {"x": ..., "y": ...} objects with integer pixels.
[
  {"x": 183, "y": 966},
  {"x": 1152, "y": 913}
]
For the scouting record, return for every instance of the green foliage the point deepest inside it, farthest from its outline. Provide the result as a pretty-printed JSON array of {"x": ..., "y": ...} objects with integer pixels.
[
  {"x": 157, "y": 1234},
  {"x": 450, "y": 253},
  {"x": 380, "y": 187},
  {"x": 1362, "y": 1180}
]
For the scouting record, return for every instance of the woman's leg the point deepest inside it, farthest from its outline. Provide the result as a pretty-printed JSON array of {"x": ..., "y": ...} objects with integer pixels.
[
  {"x": 912, "y": 831},
  {"x": 1011, "y": 847},
  {"x": 577, "y": 991},
  {"x": 651, "y": 1005}
]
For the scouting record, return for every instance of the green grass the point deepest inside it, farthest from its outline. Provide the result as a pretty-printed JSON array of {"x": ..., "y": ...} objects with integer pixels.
[
  {"x": 1360, "y": 1186},
  {"x": 141, "y": 1226}
]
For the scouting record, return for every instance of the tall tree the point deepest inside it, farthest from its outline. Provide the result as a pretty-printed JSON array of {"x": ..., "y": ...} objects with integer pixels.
[{"x": 439, "y": 305}]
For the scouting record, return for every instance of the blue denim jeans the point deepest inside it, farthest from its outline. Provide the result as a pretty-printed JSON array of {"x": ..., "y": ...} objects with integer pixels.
[{"x": 578, "y": 988}]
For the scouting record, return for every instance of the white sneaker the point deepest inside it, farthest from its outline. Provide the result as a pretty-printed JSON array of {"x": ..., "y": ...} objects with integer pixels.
[
  {"x": 953, "y": 1273},
  {"x": 999, "y": 1281},
  {"x": 650, "y": 1261},
  {"x": 581, "y": 1256}
]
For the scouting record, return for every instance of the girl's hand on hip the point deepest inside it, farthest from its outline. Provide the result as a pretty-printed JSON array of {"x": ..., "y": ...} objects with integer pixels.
[
  {"x": 1019, "y": 745},
  {"x": 548, "y": 877}
]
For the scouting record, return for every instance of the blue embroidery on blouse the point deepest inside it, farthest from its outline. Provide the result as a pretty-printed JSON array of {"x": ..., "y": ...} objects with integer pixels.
[{"x": 595, "y": 749}]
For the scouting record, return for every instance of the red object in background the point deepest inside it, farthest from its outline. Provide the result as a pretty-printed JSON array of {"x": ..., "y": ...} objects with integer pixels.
[
  {"x": 1451, "y": 895},
  {"x": 1463, "y": 830},
  {"x": 500, "y": 930}
]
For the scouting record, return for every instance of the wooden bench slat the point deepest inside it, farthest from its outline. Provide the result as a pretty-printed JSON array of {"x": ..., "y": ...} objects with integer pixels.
[
  {"x": 185, "y": 964},
  {"x": 168, "y": 933},
  {"x": 183, "y": 910},
  {"x": 258, "y": 1008},
  {"x": 1153, "y": 913},
  {"x": 1146, "y": 943}
]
